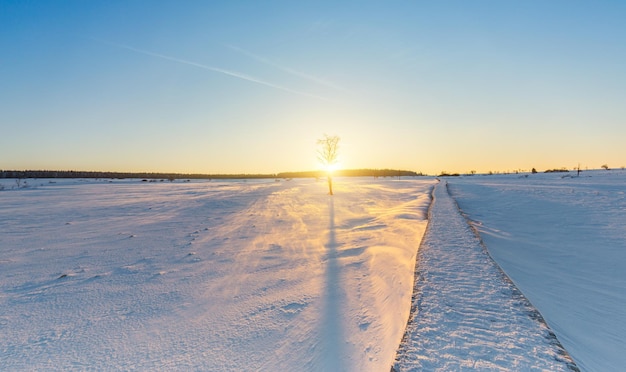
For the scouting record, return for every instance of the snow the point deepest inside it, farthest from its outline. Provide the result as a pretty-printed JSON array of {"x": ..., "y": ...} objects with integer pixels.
[
  {"x": 562, "y": 240},
  {"x": 466, "y": 314},
  {"x": 207, "y": 275},
  {"x": 266, "y": 275}
]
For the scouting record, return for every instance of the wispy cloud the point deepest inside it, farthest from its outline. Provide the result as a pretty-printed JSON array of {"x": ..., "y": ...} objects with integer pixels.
[
  {"x": 234, "y": 74},
  {"x": 287, "y": 69}
]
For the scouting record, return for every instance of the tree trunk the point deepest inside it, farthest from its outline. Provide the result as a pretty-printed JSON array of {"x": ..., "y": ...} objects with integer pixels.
[{"x": 330, "y": 185}]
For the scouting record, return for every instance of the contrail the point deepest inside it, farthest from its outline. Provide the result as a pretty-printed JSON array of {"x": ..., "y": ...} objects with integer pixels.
[
  {"x": 235, "y": 74},
  {"x": 287, "y": 69}
]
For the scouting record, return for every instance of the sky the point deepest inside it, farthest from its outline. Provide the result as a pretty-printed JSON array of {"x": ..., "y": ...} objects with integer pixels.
[{"x": 249, "y": 86}]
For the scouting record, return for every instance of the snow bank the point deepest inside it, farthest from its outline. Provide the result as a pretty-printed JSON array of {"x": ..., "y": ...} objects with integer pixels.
[
  {"x": 207, "y": 275},
  {"x": 563, "y": 242},
  {"x": 466, "y": 314}
]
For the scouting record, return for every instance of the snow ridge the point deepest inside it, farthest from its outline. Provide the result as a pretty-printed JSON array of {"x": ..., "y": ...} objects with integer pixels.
[{"x": 466, "y": 313}]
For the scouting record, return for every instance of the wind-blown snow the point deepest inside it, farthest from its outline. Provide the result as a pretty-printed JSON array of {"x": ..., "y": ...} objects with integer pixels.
[
  {"x": 207, "y": 275},
  {"x": 130, "y": 275},
  {"x": 562, "y": 240}
]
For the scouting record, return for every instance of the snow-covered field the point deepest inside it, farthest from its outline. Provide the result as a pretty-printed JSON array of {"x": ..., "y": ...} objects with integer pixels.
[
  {"x": 562, "y": 240},
  {"x": 207, "y": 275},
  {"x": 264, "y": 275}
]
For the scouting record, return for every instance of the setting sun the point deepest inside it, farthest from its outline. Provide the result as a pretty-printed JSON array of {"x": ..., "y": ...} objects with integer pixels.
[{"x": 331, "y": 168}]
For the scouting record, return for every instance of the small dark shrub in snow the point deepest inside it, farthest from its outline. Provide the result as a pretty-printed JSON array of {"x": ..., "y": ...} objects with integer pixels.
[
  {"x": 562, "y": 170},
  {"x": 446, "y": 174}
]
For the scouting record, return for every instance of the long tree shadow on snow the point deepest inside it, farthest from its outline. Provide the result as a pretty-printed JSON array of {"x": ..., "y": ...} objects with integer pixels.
[{"x": 332, "y": 332}]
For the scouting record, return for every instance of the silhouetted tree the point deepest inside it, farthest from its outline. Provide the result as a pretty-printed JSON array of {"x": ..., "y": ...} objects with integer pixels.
[{"x": 327, "y": 155}]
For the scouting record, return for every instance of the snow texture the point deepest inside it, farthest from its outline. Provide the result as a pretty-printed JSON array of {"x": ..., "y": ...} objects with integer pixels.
[
  {"x": 265, "y": 276},
  {"x": 562, "y": 240},
  {"x": 208, "y": 276},
  {"x": 466, "y": 314}
]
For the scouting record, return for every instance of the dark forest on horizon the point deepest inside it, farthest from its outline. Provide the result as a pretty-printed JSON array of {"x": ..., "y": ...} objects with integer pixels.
[{"x": 173, "y": 176}]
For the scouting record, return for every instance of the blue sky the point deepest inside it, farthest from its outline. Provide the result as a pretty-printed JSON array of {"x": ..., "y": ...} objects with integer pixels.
[{"x": 248, "y": 87}]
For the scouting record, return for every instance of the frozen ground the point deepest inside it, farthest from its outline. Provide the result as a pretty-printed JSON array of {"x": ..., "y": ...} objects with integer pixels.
[
  {"x": 466, "y": 314},
  {"x": 130, "y": 275},
  {"x": 562, "y": 240},
  {"x": 207, "y": 276}
]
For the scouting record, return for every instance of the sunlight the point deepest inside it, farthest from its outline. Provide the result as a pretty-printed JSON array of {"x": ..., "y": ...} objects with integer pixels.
[
  {"x": 331, "y": 168},
  {"x": 327, "y": 155}
]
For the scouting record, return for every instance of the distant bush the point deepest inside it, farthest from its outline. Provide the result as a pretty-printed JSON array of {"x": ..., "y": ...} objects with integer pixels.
[
  {"x": 562, "y": 170},
  {"x": 446, "y": 174},
  {"x": 534, "y": 171},
  {"x": 605, "y": 166}
]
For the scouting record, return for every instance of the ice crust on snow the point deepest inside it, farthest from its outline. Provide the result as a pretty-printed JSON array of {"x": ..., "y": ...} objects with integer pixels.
[{"x": 466, "y": 314}]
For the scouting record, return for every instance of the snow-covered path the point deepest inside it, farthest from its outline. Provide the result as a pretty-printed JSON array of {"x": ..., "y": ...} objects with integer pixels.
[
  {"x": 562, "y": 241},
  {"x": 466, "y": 314}
]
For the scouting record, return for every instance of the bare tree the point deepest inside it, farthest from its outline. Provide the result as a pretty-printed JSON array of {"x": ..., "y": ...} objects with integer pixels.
[{"x": 327, "y": 155}]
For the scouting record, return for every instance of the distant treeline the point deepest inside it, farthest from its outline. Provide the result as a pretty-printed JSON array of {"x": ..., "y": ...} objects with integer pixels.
[
  {"x": 122, "y": 175},
  {"x": 173, "y": 176},
  {"x": 351, "y": 173}
]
